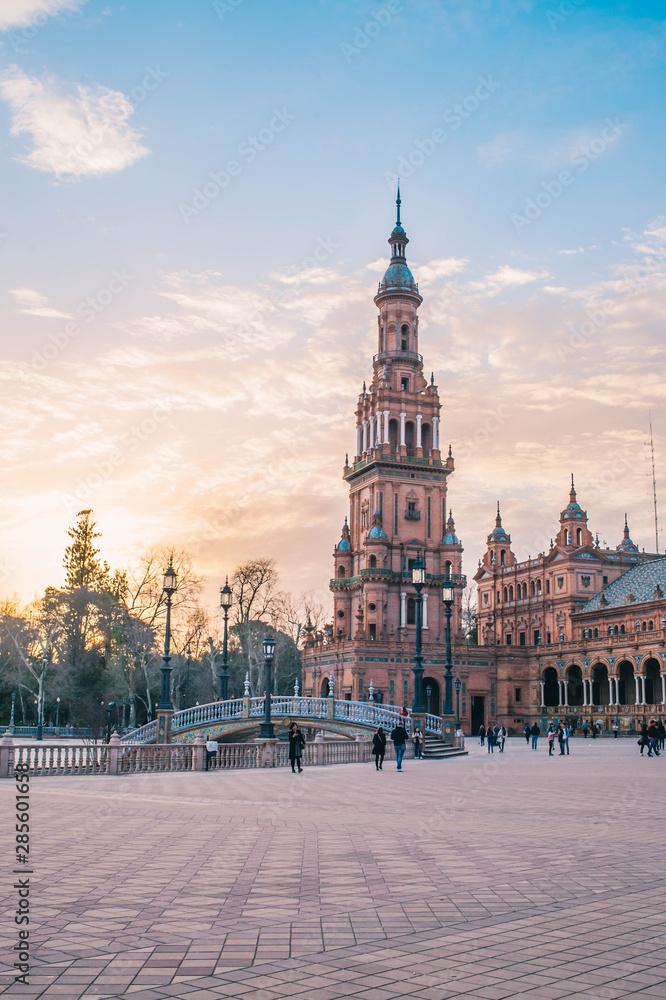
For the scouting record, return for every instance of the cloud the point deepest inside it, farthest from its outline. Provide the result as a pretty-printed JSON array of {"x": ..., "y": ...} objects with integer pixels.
[
  {"x": 24, "y": 13},
  {"x": 75, "y": 135},
  {"x": 33, "y": 303}
]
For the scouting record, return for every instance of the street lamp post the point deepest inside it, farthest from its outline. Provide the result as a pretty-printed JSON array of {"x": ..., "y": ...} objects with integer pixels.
[
  {"x": 169, "y": 589},
  {"x": 447, "y": 599},
  {"x": 267, "y": 731},
  {"x": 40, "y": 710},
  {"x": 58, "y": 713},
  {"x": 187, "y": 675},
  {"x": 457, "y": 685},
  {"x": 226, "y": 600},
  {"x": 11, "y": 717},
  {"x": 111, "y": 705},
  {"x": 418, "y": 581}
]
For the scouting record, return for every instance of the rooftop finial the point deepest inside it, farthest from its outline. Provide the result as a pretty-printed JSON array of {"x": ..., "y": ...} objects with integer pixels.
[
  {"x": 398, "y": 203},
  {"x": 498, "y": 520}
]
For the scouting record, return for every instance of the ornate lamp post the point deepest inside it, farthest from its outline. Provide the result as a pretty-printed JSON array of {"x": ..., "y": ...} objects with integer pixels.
[
  {"x": 266, "y": 730},
  {"x": 226, "y": 600},
  {"x": 58, "y": 713},
  {"x": 40, "y": 709},
  {"x": 447, "y": 599},
  {"x": 111, "y": 705},
  {"x": 169, "y": 589},
  {"x": 11, "y": 717},
  {"x": 457, "y": 684},
  {"x": 418, "y": 581},
  {"x": 187, "y": 675}
]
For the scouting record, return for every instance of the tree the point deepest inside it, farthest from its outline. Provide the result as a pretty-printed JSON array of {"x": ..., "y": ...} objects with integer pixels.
[
  {"x": 82, "y": 565},
  {"x": 469, "y": 618}
]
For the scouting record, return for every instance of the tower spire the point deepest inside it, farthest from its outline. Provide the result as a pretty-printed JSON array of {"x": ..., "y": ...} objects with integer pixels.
[
  {"x": 572, "y": 495},
  {"x": 398, "y": 203}
]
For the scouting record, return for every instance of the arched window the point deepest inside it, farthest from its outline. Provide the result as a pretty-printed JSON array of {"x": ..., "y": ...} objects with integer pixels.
[
  {"x": 533, "y": 588},
  {"x": 342, "y": 571},
  {"x": 538, "y": 587},
  {"x": 506, "y": 595},
  {"x": 650, "y": 626},
  {"x": 426, "y": 439},
  {"x": 510, "y": 593},
  {"x": 492, "y": 557},
  {"x": 616, "y": 630},
  {"x": 524, "y": 591},
  {"x": 411, "y": 611},
  {"x": 448, "y": 566},
  {"x": 596, "y": 633},
  {"x": 644, "y": 627},
  {"x": 621, "y": 629},
  {"x": 502, "y": 556},
  {"x": 393, "y": 436},
  {"x": 404, "y": 338},
  {"x": 579, "y": 536},
  {"x": 409, "y": 437},
  {"x": 372, "y": 562}
]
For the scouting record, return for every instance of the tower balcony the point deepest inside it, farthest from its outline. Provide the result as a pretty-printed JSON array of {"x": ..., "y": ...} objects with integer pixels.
[
  {"x": 458, "y": 580},
  {"x": 384, "y": 356}
]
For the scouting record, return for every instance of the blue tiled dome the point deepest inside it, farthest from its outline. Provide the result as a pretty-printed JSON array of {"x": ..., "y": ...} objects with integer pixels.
[
  {"x": 398, "y": 276},
  {"x": 376, "y": 532},
  {"x": 450, "y": 539},
  {"x": 344, "y": 544}
]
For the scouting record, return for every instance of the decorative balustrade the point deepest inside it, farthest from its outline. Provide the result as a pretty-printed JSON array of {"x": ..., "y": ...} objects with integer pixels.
[
  {"x": 156, "y": 757},
  {"x": 143, "y": 735},
  {"x": 214, "y": 712},
  {"x": 433, "y": 724},
  {"x": 49, "y": 758}
]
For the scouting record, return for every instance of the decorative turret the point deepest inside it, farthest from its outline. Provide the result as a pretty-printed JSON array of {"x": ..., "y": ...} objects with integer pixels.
[
  {"x": 499, "y": 545},
  {"x": 345, "y": 540},
  {"x": 397, "y": 277},
  {"x": 626, "y": 545},
  {"x": 573, "y": 523}
]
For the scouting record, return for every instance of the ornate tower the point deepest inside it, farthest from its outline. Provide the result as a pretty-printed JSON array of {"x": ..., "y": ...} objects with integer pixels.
[{"x": 397, "y": 482}]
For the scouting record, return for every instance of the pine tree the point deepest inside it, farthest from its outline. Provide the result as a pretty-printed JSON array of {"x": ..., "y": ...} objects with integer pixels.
[{"x": 82, "y": 564}]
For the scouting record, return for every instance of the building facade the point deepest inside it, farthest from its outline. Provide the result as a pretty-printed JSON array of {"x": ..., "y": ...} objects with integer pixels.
[{"x": 542, "y": 645}]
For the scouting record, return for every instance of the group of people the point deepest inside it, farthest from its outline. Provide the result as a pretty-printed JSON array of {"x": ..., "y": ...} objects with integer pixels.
[
  {"x": 652, "y": 738},
  {"x": 494, "y": 736},
  {"x": 399, "y": 737}
]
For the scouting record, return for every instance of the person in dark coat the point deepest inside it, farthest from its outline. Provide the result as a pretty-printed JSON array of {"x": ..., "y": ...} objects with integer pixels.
[
  {"x": 526, "y": 733},
  {"x": 379, "y": 747},
  {"x": 644, "y": 740},
  {"x": 296, "y": 744},
  {"x": 399, "y": 736},
  {"x": 482, "y": 733},
  {"x": 535, "y": 733}
]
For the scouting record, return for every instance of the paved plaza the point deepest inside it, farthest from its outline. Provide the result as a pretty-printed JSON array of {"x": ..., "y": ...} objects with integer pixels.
[{"x": 513, "y": 875}]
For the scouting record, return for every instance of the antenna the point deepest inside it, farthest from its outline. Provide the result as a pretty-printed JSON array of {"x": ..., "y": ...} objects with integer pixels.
[{"x": 654, "y": 487}]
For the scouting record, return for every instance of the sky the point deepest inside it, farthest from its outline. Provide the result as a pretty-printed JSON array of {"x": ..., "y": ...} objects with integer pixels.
[{"x": 195, "y": 199}]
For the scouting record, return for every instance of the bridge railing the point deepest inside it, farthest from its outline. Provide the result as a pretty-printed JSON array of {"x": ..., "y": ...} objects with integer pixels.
[
  {"x": 142, "y": 735},
  {"x": 433, "y": 724},
  {"x": 213, "y": 712}
]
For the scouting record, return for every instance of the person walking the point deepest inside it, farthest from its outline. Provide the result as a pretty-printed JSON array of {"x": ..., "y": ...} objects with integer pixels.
[
  {"x": 550, "y": 737},
  {"x": 482, "y": 733},
  {"x": 535, "y": 732},
  {"x": 296, "y": 744},
  {"x": 399, "y": 736},
  {"x": 379, "y": 747},
  {"x": 595, "y": 730},
  {"x": 585, "y": 727},
  {"x": 616, "y": 730},
  {"x": 662, "y": 734},
  {"x": 491, "y": 739},
  {"x": 501, "y": 739},
  {"x": 526, "y": 733},
  {"x": 560, "y": 739},
  {"x": 417, "y": 739},
  {"x": 644, "y": 740}
]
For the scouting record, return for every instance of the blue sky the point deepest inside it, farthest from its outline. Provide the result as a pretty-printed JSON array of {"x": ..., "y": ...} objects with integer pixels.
[{"x": 112, "y": 116}]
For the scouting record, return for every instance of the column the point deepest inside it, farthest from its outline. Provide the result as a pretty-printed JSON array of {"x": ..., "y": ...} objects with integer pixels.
[
  {"x": 365, "y": 436},
  {"x": 386, "y": 426},
  {"x": 585, "y": 702},
  {"x": 566, "y": 693},
  {"x": 419, "y": 418},
  {"x": 359, "y": 439},
  {"x": 378, "y": 438},
  {"x": 543, "y": 697},
  {"x": 425, "y": 609},
  {"x": 435, "y": 433},
  {"x": 637, "y": 687},
  {"x": 559, "y": 693},
  {"x": 403, "y": 599},
  {"x": 371, "y": 433},
  {"x": 663, "y": 689},
  {"x": 403, "y": 417},
  {"x": 641, "y": 678}
]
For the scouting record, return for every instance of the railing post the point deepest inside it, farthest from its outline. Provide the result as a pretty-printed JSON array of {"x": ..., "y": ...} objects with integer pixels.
[
  {"x": 330, "y": 708},
  {"x": 319, "y": 750},
  {"x": 113, "y": 753},
  {"x": 361, "y": 743},
  {"x": 246, "y": 706},
  {"x": 6, "y": 755},
  {"x": 198, "y": 753},
  {"x": 164, "y": 717}
]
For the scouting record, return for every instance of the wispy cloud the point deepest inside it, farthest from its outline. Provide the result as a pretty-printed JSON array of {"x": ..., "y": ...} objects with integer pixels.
[
  {"x": 33, "y": 303},
  {"x": 21, "y": 13},
  {"x": 84, "y": 133}
]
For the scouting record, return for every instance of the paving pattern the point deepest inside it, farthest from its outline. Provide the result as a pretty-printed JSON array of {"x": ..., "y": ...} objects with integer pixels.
[{"x": 513, "y": 875}]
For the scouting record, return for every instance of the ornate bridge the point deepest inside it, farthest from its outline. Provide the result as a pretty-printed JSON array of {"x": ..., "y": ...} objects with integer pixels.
[{"x": 220, "y": 718}]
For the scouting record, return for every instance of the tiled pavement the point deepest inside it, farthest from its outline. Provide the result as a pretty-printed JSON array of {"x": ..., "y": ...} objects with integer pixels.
[{"x": 486, "y": 876}]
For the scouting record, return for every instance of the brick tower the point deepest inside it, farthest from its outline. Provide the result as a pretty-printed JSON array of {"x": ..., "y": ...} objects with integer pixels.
[{"x": 397, "y": 487}]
